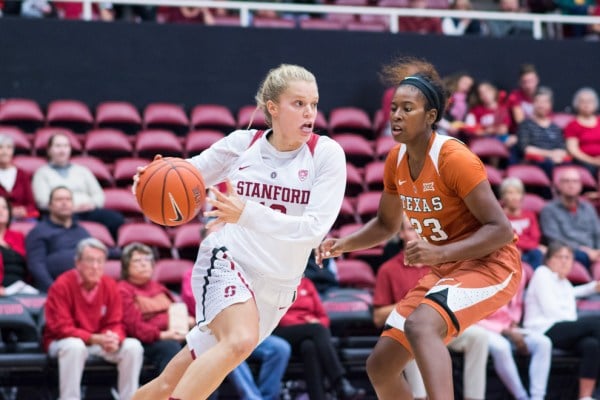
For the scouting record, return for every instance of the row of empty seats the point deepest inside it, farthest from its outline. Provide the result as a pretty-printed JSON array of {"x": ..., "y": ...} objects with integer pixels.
[{"x": 77, "y": 116}]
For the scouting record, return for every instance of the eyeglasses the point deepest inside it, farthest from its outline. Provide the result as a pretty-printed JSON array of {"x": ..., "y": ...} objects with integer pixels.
[{"x": 138, "y": 260}]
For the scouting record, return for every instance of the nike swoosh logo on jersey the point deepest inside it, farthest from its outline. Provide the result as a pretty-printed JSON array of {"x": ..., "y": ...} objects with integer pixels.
[
  {"x": 400, "y": 183},
  {"x": 176, "y": 210},
  {"x": 243, "y": 167},
  {"x": 460, "y": 298}
]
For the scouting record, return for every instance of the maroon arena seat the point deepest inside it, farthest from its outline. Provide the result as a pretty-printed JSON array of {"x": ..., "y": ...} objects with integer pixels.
[
  {"x": 198, "y": 141},
  {"x": 98, "y": 231},
  {"x": 355, "y": 273},
  {"x": 347, "y": 214},
  {"x": 251, "y": 116},
  {"x": 27, "y": 163},
  {"x": 150, "y": 142},
  {"x": 212, "y": 116},
  {"x": 119, "y": 115},
  {"x": 42, "y": 136},
  {"x": 359, "y": 151},
  {"x": 489, "y": 148},
  {"x": 23, "y": 113},
  {"x": 98, "y": 168},
  {"x": 354, "y": 180},
  {"x": 123, "y": 200},
  {"x": 383, "y": 145},
  {"x": 169, "y": 271},
  {"x": 321, "y": 24},
  {"x": 350, "y": 119},
  {"x": 108, "y": 144},
  {"x": 367, "y": 204},
  {"x": 112, "y": 268},
  {"x": 281, "y": 23},
  {"x": 562, "y": 119},
  {"x": 533, "y": 202},
  {"x": 533, "y": 177},
  {"x": 186, "y": 239},
  {"x": 374, "y": 175},
  {"x": 167, "y": 116},
  {"x": 125, "y": 168},
  {"x": 147, "y": 233},
  {"x": 71, "y": 114}
]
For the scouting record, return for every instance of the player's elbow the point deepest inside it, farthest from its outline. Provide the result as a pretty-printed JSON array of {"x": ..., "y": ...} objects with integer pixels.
[
  {"x": 379, "y": 318},
  {"x": 506, "y": 232}
]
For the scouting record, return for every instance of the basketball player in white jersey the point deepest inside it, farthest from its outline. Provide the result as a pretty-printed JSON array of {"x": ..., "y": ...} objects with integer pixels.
[{"x": 284, "y": 190}]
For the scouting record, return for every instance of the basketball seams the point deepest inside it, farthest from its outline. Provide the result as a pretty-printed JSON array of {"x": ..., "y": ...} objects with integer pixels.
[
  {"x": 141, "y": 188},
  {"x": 187, "y": 198}
]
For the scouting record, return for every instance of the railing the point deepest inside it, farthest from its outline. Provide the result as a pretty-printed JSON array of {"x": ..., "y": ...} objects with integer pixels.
[{"x": 245, "y": 9}]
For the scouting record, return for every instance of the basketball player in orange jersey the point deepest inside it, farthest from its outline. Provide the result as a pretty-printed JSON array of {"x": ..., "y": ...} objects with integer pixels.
[
  {"x": 443, "y": 189},
  {"x": 285, "y": 189}
]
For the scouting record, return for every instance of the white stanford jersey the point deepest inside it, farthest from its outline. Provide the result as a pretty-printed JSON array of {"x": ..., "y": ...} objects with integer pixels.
[{"x": 292, "y": 199}]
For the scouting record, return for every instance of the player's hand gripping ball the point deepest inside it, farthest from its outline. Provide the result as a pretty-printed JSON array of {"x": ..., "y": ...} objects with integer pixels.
[{"x": 170, "y": 191}]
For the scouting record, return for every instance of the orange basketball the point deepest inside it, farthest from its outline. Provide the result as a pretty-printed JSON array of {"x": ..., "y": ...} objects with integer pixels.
[{"x": 170, "y": 191}]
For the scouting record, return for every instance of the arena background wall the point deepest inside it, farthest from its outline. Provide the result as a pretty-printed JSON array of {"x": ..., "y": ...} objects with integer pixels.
[{"x": 49, "y": 59}]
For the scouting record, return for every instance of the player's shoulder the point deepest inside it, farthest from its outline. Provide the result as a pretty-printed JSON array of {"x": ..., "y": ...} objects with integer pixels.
[
  {"x": 448, "y": 146},
  {"x": 327, "y": 147}
]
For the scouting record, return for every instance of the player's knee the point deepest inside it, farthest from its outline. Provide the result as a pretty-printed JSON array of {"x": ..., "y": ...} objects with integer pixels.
[
  {"x": 242, "y": 345},
  {"x": 419, "y": 327},
  {"x": 376, "y": 368}
]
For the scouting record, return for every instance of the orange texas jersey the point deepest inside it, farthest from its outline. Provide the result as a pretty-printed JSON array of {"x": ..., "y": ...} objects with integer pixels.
[{"x": 434, "y": 201}]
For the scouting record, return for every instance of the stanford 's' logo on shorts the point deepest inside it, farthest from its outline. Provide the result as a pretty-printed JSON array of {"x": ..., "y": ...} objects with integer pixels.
[{"x": 230, "y": 291}]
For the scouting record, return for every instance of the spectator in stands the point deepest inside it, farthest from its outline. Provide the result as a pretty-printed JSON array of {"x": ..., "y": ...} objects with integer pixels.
[
  {"x": 139, "y": 13},
  {"x": 273, "y": 354},
  {"x": 488, "y": 117},
  {"x": 13, "y": 265},
  {"x": 572, "y": 220},
  {"x": 88, "y": 197},
  {"x": 520, "y": 100},
  {"x": 394, "y": 280},
  {"x": 421, "y": 25},
  {"x": 15, "y": 183},
  {"x": 459, "y": 86},
  {"x": 51, "y": 244},
  {"x": 191, "y": 15},
  {"x": 524, "y": 222},
  {"x": 503, "y": 28},
  {"x": 37, "y": 9},
  {"x": 540, "y": 140},
  {"x": 306, "y": 327},
  {"x": 461, "y": 26},
  {"x": 147, "y": 303},
  {"x": 84, "y": 316},
  {"x": 505, "y": 334},
  {"x": 583, "y": 133},
  {"x": 551, "y": 309},
  {"x": 575, "y": 7}
]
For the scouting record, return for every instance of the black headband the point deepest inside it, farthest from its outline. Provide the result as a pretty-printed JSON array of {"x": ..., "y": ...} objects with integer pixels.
[{"x": 428, "y": 91}]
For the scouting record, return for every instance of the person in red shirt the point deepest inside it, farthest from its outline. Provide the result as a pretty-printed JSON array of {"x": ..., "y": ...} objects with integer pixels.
[
  {"x": 306, "y": 327},
  {"x": 524, "y": 222},
  {"x": 520, "y": 100},
  {"x": 487, "y": 116},
  {"x": 583, "y": 133},
  {"x": 421, "y": 25},
  {"x": 147, "y": 303},
  {"x": 15, "y": 183},
  {"x": 84, "y": 316}
]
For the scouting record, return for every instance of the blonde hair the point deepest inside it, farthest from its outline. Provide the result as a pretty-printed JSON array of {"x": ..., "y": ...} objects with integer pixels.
[
  {"x": 276, "y": 82},
  {"x": 512, "y": 182}
]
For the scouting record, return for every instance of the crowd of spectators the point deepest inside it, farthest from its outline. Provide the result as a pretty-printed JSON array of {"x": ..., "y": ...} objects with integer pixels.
[{"x": 106, "y": 11}]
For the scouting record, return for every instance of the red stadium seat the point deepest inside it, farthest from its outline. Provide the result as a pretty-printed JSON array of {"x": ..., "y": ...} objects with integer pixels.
[
  {"x": 359, "y": 151},
  {"x": 166, "y": 116},
  {"x": 118, "y": 115},
  {"x": 250, "y": 116},
  {"x": 146, "y": 233},
  {"x": 375, "y": 19},
  {"x": 488, "y": 149},
  {"x": 321, "y": 24},
  {"x": 29, "y": 164},
  {"x": 495, "y": 177},
  {"x": 98, "y": 231},
  {"x": 71, "y": 114},
  {"x": 98, "y": 168},
  {"x": 367, "y": 204},
  {"x": 355, "y": 273},
  {"x": 227, "y": 20},
  {"x": 383, "y": 145},
  {"x": 150, "y": 142},
  {"x": 367, "y": 26},
  {"x": 281, "y": 23},
  {"x": 22, "y": 226},
  {"x": 347, "y": 214},
  {"x": 350, "y": 119},
  {"x": 112, "y": 268},
  {"x": 108, "y": 144},
  {"x": 20, "y": 139},
  {"x": 126, "y": 168},
  {"x": 354, "y": 181},
  {"x": 533, "y": 202},
  {"x": 213, "y": 116},
  {"x": 170, "y": 272},
  {"x": 198, "y": 141},
  {"x": 42, "y": 136},
  {"x": 533, "y": 177},
  {"x": 374, "y": 175},
  {"x": 562, "y": 119},
  {"x": 23, "y": 113},
  {"x": 186, "y": 240},
  {"x": 579, "y": 274},
  {"x": 124, "y": 201}
]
